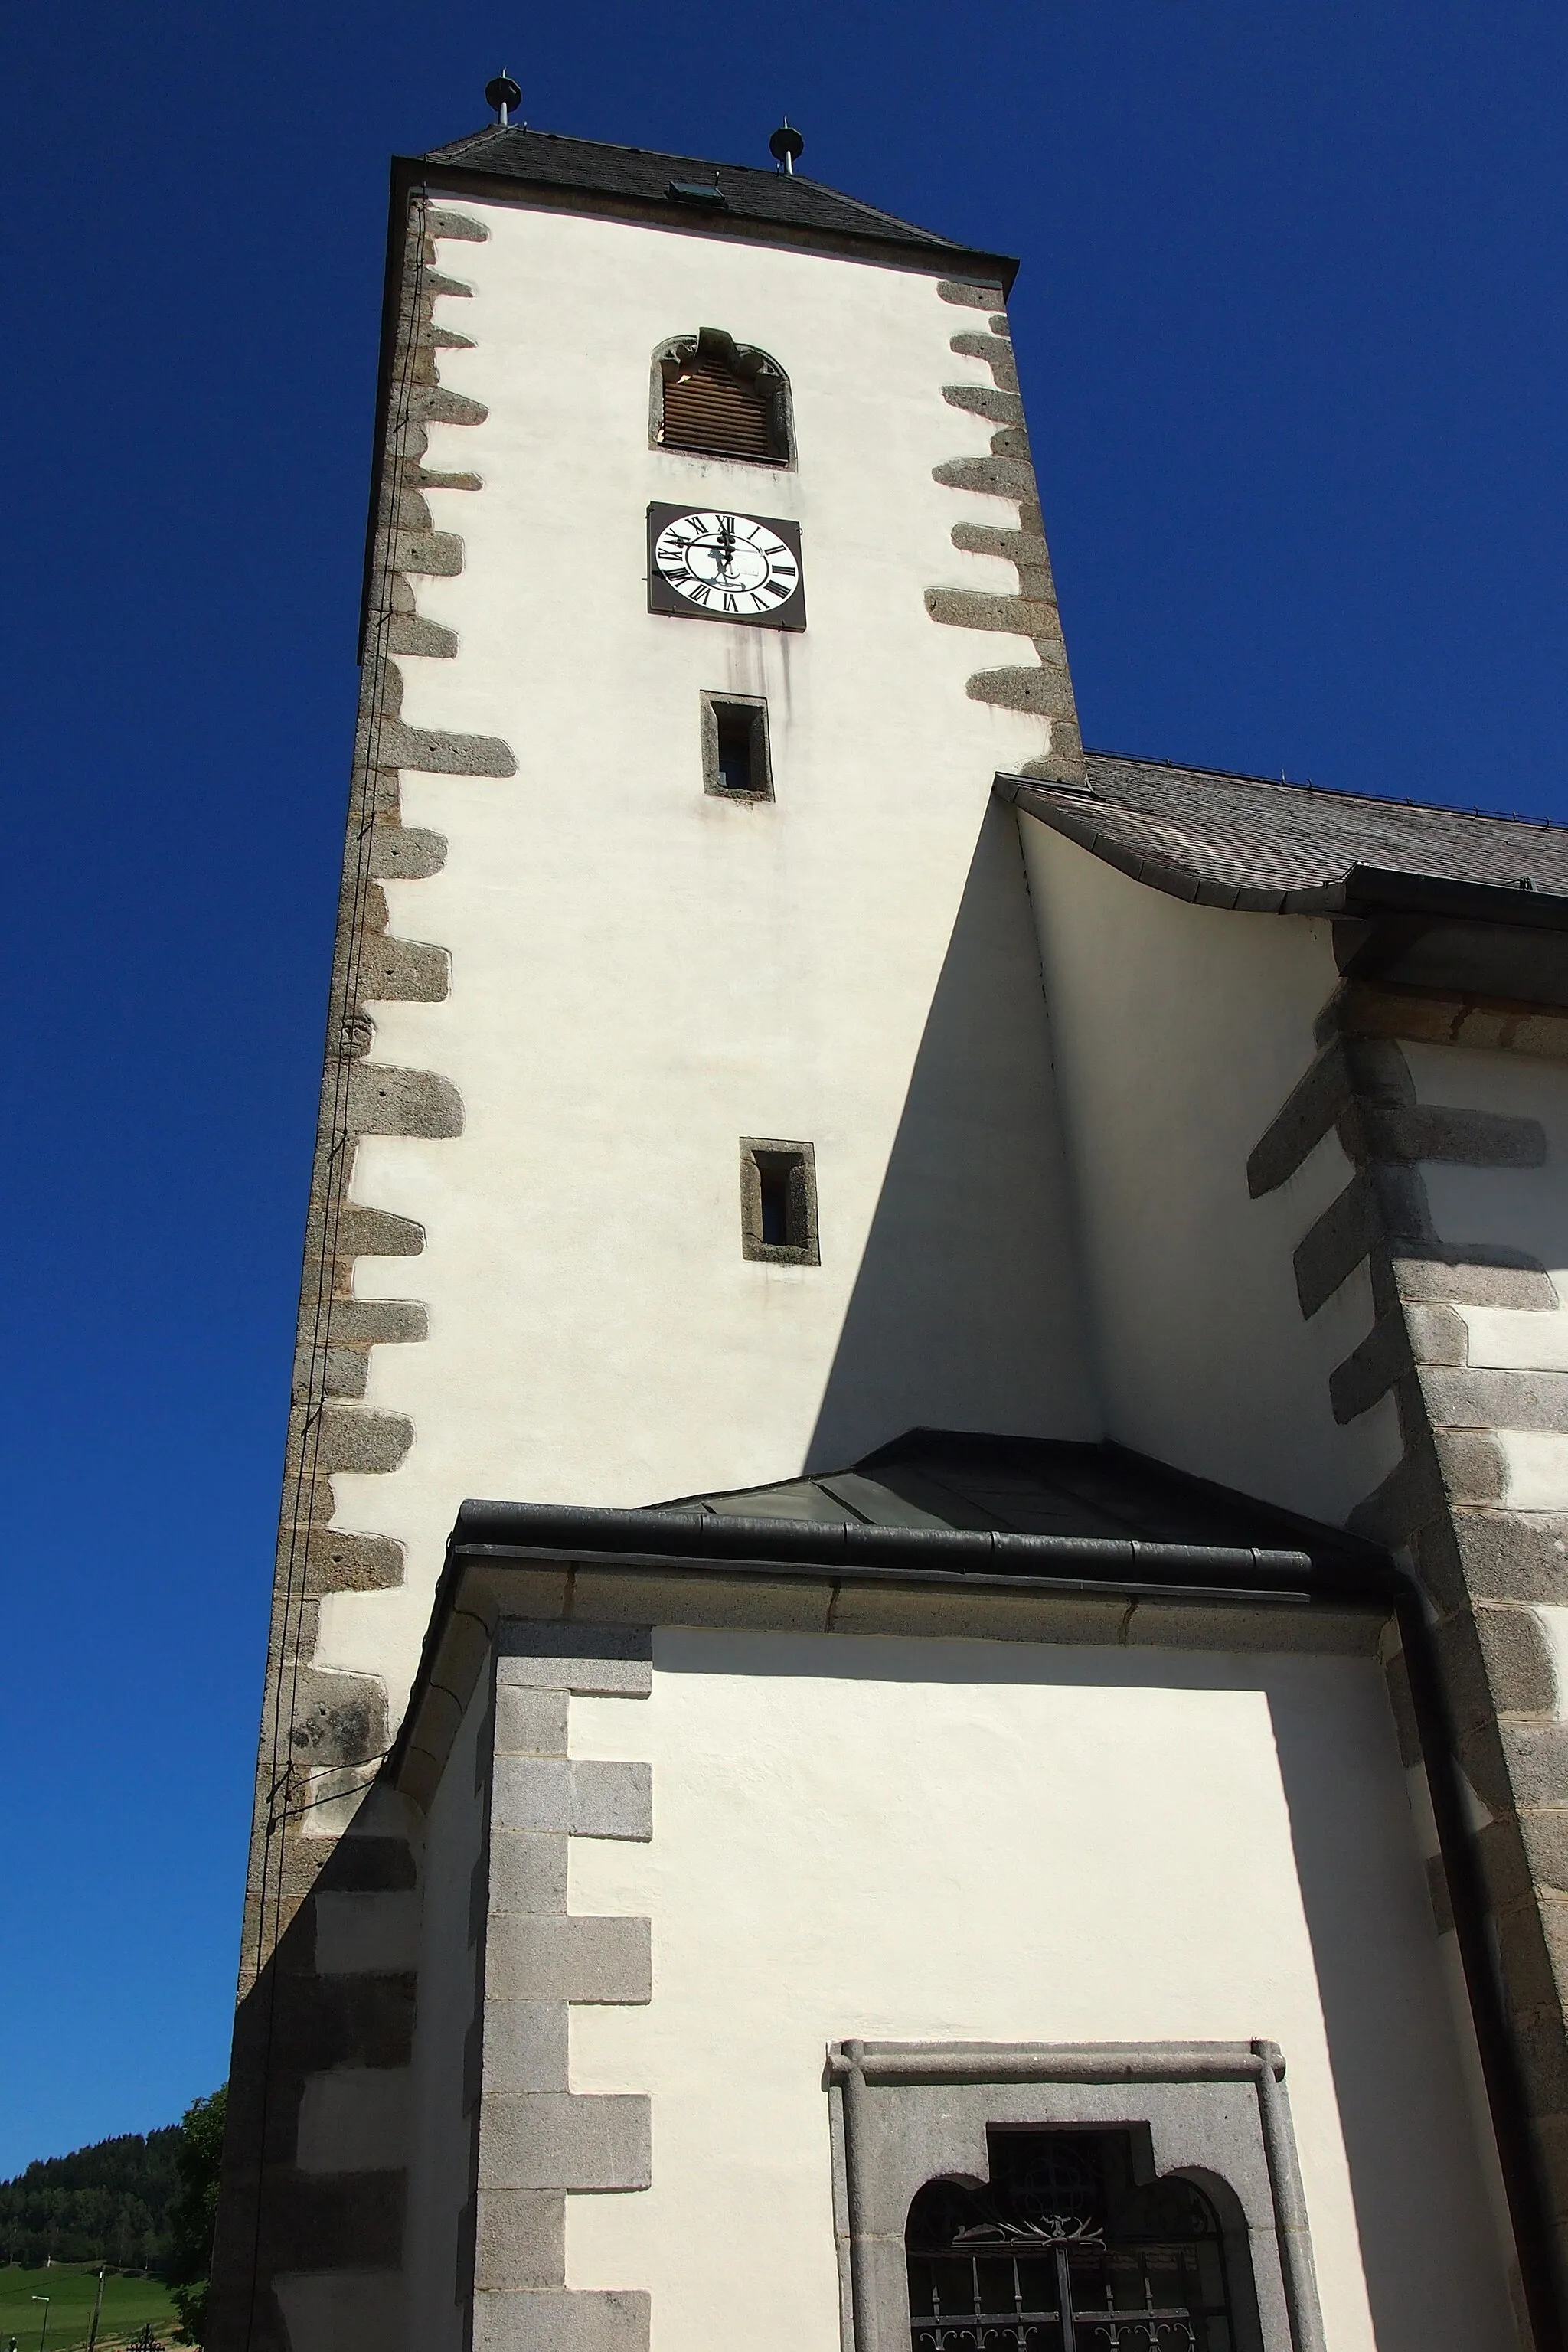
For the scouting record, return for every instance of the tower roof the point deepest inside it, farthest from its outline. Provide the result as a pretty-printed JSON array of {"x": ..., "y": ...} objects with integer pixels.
[{"x": 739, "y": 199}]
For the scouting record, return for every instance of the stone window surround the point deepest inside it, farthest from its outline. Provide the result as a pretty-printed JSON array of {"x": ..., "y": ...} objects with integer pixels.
[
  {"x": 713, "y": 700},
  {"x": 753, "y": 1245},
  {"x": 906, "y": 2112}
]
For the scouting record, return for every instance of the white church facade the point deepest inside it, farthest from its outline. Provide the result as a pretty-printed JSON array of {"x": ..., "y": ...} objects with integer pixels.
[{"x": 917, "y": 1694}]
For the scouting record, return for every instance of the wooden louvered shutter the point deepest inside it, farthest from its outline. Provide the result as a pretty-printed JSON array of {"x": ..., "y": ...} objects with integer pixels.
[{"x": 718, "y": 413}]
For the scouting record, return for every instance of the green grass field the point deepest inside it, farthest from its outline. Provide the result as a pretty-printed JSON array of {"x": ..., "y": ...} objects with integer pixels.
[{"x": 127, "y": 2304}]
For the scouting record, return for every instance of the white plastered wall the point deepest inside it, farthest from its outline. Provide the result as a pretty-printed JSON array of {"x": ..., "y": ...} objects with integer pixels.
[
  {"x": 1179, "y": 1032},
  {"x": 642, "y": 974},
  {"x": 911, "y": 1839}
]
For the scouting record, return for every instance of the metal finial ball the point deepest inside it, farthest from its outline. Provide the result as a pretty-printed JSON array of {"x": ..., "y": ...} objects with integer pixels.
[
  {"x": 786, "y": 145},
  {"x": 502, "y": 93}
]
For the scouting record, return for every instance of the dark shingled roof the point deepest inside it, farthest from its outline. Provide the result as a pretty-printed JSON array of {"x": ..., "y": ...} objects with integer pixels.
[
  {"x": 937, "y": 1478},
  {"x": 639, "y": 177},
  {"x": 1279, "y": 848}
]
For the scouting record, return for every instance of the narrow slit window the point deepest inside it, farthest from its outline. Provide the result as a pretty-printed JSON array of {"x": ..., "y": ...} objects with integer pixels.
[
  {"x": 778, "y": 1202},
  {"x": 735, "y": 762},
  {"x": 778, "y": 1175}
]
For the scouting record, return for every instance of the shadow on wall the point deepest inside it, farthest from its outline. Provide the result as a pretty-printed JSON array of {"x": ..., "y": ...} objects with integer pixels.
[
  {"x": 335, "y": 2234},
  {"x": 1416, "y": 2154},
  {"x": 966, "y": 1312}
]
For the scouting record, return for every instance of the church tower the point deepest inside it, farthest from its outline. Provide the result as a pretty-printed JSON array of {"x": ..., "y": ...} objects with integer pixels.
[
  {"x": 677, "y": 1131},
  {"x": 914, "y": 1686}
]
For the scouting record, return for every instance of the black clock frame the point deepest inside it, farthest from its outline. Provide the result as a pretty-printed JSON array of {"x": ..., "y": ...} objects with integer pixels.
[{"x": 663, "y": 598}]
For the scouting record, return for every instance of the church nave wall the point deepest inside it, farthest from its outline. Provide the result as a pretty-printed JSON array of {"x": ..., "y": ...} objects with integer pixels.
[{"x": 1179, "y": 1030}]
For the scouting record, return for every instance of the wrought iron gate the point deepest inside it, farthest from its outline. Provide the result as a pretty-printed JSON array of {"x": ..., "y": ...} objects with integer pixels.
[{"x": 1062, "y": 2251}]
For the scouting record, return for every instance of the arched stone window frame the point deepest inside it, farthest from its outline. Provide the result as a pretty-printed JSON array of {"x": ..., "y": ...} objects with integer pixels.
[
  {"x": 1215, "y": 2112},
  {"x": 716, "y": 345}
]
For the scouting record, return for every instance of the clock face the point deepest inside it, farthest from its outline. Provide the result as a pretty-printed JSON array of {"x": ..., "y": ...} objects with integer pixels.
[{"x": 724, "y": 566}]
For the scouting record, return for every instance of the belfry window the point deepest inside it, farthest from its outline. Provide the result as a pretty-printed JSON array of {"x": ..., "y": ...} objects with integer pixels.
[
  {"x": 1064, "y": 2250},
  {"x": 718, "y": 398}
]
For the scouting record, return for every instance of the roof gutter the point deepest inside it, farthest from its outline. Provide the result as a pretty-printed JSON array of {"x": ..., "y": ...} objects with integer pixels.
[
  {"x": 1393, "y": 890},
  {"x": 1356, "y": 1574},
  {"x": 854, "y": 1548}
]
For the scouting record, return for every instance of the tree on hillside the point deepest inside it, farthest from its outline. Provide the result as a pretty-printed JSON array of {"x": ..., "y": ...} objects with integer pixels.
[
  {"x": 105, "y": 2203},
  {"x": 198, "y": 2160}
]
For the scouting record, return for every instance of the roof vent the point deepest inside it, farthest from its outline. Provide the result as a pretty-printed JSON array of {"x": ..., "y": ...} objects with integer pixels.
[
  {"x": 698, "y": 192},
  {"x": 787, "y": 146},
  {"x": 503, "y": 94}
]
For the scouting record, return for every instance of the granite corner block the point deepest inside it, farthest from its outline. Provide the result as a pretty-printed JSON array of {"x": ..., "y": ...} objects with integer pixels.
[
  {"x": 520, "y": 2239},
  {"x": 538, "y": 1958},
  {"x": 610, "y": 1800},
  {"x": 586, "y": 2142},
  {"x": 527, "y": 1871},
  {"x": 525, "y": 2046},
  {"x": 576, "y": 2320},
  {"x": 530, "y": 1721}
]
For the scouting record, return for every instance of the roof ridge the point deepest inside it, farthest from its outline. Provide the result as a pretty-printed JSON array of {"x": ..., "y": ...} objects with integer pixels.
[{"x": 1323, "y": 792}]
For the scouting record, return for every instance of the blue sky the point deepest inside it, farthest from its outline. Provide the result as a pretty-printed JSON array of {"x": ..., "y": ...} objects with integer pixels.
[{"x": 1292, "y": 331}]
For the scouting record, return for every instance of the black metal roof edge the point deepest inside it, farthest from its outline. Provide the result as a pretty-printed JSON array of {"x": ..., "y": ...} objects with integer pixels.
[
  {"x": 724, "y": 1541},
  {"x": 703, "y": 1544},
  {"x": 708, "y": 1544},
  {"x": 1391, "y": 890},
  {"x": 1150, "y": 1586},
  {"x": 1360, "y": 890}
]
